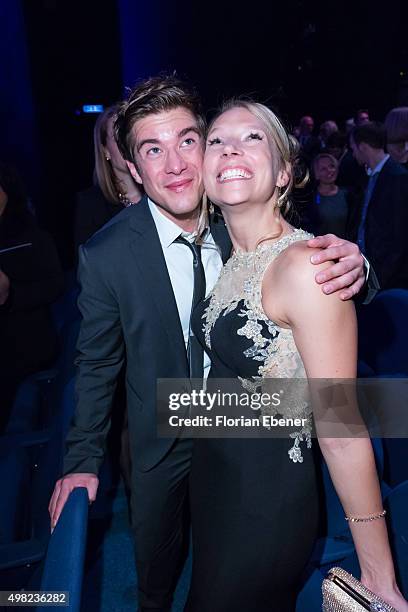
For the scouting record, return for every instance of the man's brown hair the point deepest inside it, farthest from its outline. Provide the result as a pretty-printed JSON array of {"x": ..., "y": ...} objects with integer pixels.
[
  {"x": 372, "y": 133},
  {"x": 152, "y": 96}
]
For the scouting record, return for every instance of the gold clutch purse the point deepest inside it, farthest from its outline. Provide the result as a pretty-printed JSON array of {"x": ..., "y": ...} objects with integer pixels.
[{"x": 344, "y": 593}]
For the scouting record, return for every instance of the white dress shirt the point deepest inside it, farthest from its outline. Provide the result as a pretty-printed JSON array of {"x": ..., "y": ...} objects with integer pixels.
[
  {"x": 379, "y": 166},
  {"x": 179, "y": 262}
]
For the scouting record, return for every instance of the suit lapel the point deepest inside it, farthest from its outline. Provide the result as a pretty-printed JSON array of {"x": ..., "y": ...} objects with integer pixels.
[
  {"x": 148, "y": 256},
  {"x": 377, "y": 199}
]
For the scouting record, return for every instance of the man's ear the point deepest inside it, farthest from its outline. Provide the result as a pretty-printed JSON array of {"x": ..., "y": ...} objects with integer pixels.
[
  {"x": 364, "y": 148},
  {"x": 133, "y": 171}
]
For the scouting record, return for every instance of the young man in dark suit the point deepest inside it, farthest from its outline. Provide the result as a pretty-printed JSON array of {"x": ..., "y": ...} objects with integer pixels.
[
  {"x": 379, "y": 223},
  {"x": 138, "y": 282}
]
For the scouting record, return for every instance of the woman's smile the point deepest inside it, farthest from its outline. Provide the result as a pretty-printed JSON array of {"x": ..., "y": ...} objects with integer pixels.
[{"x": 234, "y": 173}]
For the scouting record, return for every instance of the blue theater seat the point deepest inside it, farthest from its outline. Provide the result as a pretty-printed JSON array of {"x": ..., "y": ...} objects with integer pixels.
[
  {"x": 383, "y": 333},
  {"x": 397, "y": 507},
  {"x": 383, "y": 341},
  {"x": 64, "y": 561},
  {"x": 30, "y": 464}
]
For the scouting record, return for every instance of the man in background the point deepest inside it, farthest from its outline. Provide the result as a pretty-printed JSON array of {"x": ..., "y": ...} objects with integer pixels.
[{"x": 379, "y": 224}]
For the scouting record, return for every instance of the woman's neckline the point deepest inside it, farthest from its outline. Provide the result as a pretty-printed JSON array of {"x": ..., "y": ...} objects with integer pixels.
[
  {"x": 266, "y": 244},
  {"x": 329, "y": 195}
]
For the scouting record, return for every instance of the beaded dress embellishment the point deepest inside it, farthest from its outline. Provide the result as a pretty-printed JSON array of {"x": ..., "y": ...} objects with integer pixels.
[{"x": 240, "y": 283}]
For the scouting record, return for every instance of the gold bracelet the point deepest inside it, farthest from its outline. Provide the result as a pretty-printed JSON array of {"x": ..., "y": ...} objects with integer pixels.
[{"x": 366, "y": 519}]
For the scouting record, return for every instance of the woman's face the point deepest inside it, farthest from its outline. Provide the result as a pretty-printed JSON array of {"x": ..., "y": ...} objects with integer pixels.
[
  {"x": 238, "y": 160},
  {"x": 326, "y": 171},
  {"x": 399, "y": 151},
  {"x": 3, "y": 200},
  {"x": 111, "y": 150}
]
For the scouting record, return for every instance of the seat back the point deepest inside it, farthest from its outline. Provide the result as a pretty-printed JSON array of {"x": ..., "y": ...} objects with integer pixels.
[
  {"x": 64, "y": 562},
  {"x": 65, "y": 309},
  {"x": 15, "y": 479},
  {"x": 397, "y": 506},
  {"x": 383, "y": 333},
  {"x": 25, "y": 414}
]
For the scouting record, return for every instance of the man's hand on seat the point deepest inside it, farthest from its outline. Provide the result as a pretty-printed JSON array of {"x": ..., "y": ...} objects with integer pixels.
[{"x": 63, "y": 488}]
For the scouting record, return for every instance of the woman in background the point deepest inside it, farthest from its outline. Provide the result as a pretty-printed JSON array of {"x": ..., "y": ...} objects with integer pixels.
[
  {"x": 31, "y": 279},
  {"x": 396, "y": 124},
  {"x": 114, "y": 187},
  {"x": 328, "y": 212}
]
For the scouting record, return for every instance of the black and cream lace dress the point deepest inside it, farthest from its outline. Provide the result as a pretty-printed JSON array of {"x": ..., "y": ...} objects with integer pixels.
[{"x": 254, "y": 500}]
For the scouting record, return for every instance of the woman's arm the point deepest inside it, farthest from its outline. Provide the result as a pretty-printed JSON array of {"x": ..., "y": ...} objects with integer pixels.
[{"x": 325, "y": 332}]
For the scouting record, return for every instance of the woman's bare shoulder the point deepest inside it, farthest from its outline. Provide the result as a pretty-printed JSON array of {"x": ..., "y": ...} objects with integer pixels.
[
  {"x": 294, "y": 267},
  {"x": 290, "y": 286}
]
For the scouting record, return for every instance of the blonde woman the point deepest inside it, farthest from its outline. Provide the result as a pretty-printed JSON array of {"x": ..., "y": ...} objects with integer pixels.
[
  {"x": 254, "y": 501},
  {"x": 328, "y": 212},
  {"x": 114, "y": 187}
]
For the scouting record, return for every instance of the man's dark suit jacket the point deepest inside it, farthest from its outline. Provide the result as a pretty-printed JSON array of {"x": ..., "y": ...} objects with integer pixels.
[
  {"x": 129, "y": 312},
  {"x": 386, "y": 226}
]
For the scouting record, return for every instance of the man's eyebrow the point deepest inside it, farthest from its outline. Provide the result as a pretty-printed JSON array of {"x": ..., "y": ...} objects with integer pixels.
[
  {"x": 155, "y": 141},
  {"x": 147, "y": 141},
  {"x": 191, "y": 128}
]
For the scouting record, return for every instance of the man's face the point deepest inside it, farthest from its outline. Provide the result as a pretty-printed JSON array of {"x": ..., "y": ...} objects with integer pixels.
[
  {"x": 168, "y": 155},
  {"x": 358, "y": 152},
  {"x": 362, "y": 118},
  {"x": 307, "y": 125}
]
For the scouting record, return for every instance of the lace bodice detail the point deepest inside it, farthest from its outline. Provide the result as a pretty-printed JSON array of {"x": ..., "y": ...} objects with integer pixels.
[
  {"x": 239, "y": 289},
  {"x": 240, "y": 283}
]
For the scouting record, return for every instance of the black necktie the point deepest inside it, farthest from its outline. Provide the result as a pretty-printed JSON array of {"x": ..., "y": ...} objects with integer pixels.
[{"x": 195, "y": 352}]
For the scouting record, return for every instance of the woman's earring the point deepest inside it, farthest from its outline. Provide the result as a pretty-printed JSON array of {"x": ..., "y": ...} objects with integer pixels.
[
  {"x": 107, "y": 158},
  {"x": 282, "y": 199},
  {"x": 211, "y": 208}
]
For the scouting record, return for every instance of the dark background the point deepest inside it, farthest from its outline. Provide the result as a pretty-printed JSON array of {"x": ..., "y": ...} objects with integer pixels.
[{"x": 300, "y": 56}]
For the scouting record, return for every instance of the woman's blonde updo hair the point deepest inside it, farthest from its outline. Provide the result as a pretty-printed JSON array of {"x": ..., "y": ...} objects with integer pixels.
[
  {"x": 285, "y": 145},
  {"x": 104, "y": 177}
]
